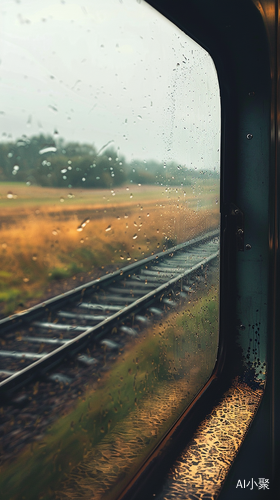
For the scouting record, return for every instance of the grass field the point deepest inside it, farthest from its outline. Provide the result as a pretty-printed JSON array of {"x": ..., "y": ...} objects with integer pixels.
[
  {"x": 109, "y": 430},
  {"x": 48, "y": 234}
]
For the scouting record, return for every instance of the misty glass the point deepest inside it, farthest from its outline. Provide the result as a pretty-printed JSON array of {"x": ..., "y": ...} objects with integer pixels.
[{"x": 109, "y": 153}]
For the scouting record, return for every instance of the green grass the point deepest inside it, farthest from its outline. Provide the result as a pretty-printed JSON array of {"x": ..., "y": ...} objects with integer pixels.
[
  {"x": 59, "y": 273},
  {"x": 162, "y": 353}
]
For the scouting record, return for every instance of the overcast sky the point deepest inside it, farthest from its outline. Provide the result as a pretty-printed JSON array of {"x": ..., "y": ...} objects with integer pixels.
[{"x": 108, "y": 70}]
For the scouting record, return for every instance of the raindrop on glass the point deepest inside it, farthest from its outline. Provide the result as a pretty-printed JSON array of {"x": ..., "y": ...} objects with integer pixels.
[{"x": 47, "y": 150}]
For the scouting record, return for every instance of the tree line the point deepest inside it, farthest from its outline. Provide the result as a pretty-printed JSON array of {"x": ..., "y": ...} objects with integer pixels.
[{"x": 43, "y": 161}]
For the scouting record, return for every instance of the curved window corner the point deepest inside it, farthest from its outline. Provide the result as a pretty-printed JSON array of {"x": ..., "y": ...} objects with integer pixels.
[{"x": 110, "y": 237}]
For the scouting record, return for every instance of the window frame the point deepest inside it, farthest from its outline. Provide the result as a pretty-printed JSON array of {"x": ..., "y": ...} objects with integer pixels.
[{"x": 241, "y": 37}]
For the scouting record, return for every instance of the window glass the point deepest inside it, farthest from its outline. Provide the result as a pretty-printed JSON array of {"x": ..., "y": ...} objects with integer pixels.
[{"x": 109, "y": 185}]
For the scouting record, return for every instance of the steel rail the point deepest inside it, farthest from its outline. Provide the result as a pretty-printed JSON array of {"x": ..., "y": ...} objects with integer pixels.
[
  {"x": 73, "y": 346},
  {"x": 37, "y": 310}
]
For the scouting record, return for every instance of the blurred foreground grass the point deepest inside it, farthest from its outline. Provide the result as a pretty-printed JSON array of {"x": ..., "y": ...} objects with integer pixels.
[{"x": 182, "y": 351}]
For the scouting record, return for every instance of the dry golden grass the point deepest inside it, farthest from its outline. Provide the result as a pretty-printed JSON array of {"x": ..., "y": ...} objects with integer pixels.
[{"x": 43, "y": 241}]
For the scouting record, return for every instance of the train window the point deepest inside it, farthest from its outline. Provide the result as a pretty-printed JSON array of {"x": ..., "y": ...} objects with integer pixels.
[{"x": 109, "y": 240}]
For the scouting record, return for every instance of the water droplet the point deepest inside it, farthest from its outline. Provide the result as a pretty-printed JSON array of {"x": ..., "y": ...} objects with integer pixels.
[
  {"x": 10, "y": 195},
  {"x": 148, "y": 215},
  {"x": 54, "y": 232},
  {"x": 248, "y": 247},
  {"x": 63, "y": 171},
  {"x": 47, "y": 150},
  {"x": 249, "y": 136},
  {"x": 4, "y": 245},
  {"x": 139, "y": 117},
  {"x": 46, "y": 163},
  {"x": 134, "y": 237},
  {"x": 34, "y": 257},
  {"x": 61, "y": 199},
  {"x": 108, "y": 228},
  {"x": 128, "y": 257},
  {"x": 82, "y": 241},
  {"x": 25, "y": 280},
  {"x": 28, "y": 183},
  {"x": 125, "y": 216},
  {"x": 85, "y": 222},
  {"x": 135, "y": 224},
  {"x": 121, "y": 257},
  {"x": 23, "y": 141},
  {"x": 131, "y": 195}
]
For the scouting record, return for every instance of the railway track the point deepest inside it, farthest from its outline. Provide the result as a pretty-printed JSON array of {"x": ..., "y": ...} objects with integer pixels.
[{"x": 102, "y": 314}]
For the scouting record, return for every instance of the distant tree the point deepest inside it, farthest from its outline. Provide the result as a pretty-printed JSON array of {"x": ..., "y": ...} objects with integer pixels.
[{"x": 55, "y": 163}]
